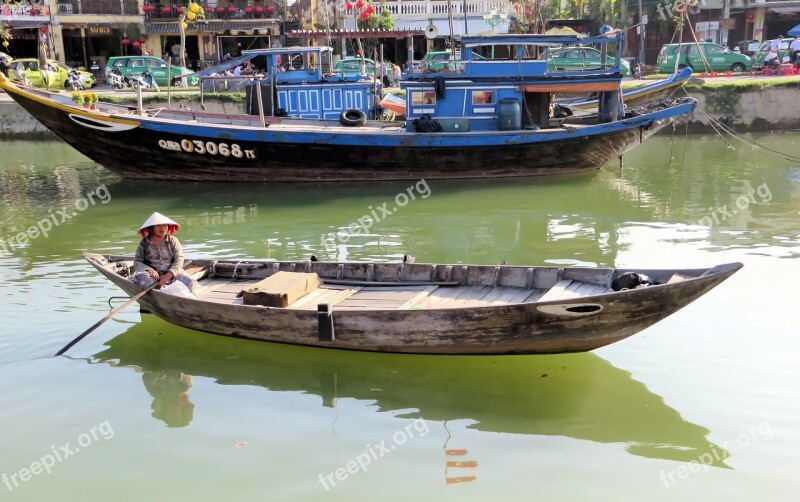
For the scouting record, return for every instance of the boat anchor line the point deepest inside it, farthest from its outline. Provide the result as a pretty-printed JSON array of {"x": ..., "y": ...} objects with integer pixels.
[{"x": 100, "y": 125}]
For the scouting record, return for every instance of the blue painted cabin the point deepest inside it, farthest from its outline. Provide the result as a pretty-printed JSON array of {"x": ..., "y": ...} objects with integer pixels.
[
  {"x": 301, "y": 82},
  {"x": 503, "y": 83}
]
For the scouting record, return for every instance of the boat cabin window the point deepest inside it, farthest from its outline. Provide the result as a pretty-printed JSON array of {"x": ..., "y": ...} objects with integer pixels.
[
  {"x": 423, "y": 98},
  {"x": 483, "y": 97},
  {"x": 294, "y": 62},
  {"x": 506, "y": 52}
]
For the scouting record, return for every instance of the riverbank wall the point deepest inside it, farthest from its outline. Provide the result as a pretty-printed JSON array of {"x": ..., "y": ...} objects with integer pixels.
[{"x": 744, "y": 108}]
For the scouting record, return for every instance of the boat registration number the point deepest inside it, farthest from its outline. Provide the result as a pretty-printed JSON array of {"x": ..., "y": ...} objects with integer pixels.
[{"x": 207, "y": 148}]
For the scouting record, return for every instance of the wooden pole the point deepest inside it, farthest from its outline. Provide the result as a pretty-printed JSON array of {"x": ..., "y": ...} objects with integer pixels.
[{"x": 106, "y": 318}]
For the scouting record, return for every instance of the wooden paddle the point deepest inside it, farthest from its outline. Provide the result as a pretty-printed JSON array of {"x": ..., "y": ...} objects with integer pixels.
[{"x": 106, "y": 318}]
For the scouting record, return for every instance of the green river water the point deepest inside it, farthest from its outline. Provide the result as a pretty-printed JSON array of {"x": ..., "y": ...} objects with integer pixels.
[{"x": 702, "y": 406}]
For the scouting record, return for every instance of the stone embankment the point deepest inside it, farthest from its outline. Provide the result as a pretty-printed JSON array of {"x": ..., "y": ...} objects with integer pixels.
[{"x": 743, "y": 107}]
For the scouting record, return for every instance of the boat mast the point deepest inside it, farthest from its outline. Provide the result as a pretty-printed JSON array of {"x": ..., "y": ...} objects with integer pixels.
[{"x": 452, "y": 35}]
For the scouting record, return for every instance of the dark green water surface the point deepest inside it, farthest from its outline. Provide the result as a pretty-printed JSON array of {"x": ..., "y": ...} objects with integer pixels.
[{"x": 702, "y": 406}]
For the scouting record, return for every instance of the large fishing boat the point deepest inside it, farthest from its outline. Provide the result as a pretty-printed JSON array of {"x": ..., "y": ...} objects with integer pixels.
[{"x": 493, "y": 116}]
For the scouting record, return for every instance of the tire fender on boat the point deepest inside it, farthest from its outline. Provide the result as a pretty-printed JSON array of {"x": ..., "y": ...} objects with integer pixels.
[{"x": 353, "y": 118}]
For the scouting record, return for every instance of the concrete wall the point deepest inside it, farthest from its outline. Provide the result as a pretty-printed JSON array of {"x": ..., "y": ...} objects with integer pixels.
[{"x": 771, "y": 108}]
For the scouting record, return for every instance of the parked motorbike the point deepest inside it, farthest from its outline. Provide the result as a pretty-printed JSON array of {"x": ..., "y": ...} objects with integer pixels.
[
  {"x": 74, "y": 81},
  {"x": 144, "y": 81},
  {"x": 116, "y": 80}
]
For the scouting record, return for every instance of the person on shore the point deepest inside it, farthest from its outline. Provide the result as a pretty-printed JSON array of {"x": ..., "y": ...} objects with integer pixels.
[
  {"x": 159, "y": 256},
  {"x": 775, "y": 45},
  {"x": 794, "y": 49},
  {"x": 772, "y": 60}
]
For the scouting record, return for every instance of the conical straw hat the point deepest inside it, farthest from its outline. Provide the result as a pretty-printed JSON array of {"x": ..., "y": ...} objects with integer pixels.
[{"x": 158, "y": 219}]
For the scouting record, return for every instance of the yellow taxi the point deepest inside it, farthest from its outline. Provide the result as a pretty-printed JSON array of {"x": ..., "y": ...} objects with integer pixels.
[{"x": 56, "y": 76}]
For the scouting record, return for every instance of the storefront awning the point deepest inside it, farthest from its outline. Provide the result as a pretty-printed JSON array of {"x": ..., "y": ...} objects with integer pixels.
[
  {"x": 24, "y": 24},
  {"x": 337, "y": 34},
  {"x": 263, "y": 27}
]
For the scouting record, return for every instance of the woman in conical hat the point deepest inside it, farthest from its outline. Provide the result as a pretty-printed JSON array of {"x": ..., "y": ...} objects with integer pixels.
[
  {"x": 159, "y": 256},
  {"x": 158, "y": 219}
]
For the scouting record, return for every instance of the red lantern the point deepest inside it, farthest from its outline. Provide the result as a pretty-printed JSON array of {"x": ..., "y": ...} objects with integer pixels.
[
  {"x": 220, "y": 10},
  {"x": 166, "y": 10},
  {"x": 369, "y": 9},
  {"x": 364, "y": 16},
  {"x": 125, "y": 41},
  {"x": 359, "y": 4},
  {"x": 248, "y": 10},
  {"x": 270, "y": 8},
  {"x": 348, "y": 6},
  {"x": 259, "y": 9},
  {"x": 232, "y": 9},
  {"x": 142, "y": 41},
  {"x": 43, "y": 29},
  {"x": 208, "y": 10},
  {"x": 136, "y": 44},
  {"x": 148, "y": 9},
  {"x": 180, "y": 10}
]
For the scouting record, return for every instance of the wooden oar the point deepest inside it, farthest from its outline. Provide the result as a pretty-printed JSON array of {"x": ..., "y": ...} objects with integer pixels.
[{"x": 106, "y": 318}]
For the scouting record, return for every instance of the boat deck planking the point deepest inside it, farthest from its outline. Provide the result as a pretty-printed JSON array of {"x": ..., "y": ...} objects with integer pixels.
[{"x": 224, "y": 290}]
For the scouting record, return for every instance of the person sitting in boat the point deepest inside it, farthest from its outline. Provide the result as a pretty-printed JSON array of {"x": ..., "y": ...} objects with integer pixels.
[{"x": 159, "y": 256}]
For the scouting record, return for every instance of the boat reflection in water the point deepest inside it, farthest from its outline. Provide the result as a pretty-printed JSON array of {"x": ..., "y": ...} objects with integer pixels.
[{"x": 580, "y": 396}]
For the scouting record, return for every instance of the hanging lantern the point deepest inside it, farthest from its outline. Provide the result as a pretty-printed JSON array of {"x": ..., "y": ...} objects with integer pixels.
[
  {"x": 220, "y": 9},
  {"x": 142, "y": 41},
  {"x": 364, "y": 16},
  {"x": 125, "y": 41},
  {"x": 147, "y": 9},
  {"x": 136, "y": 44},
  {"x": 43, "y": 29},
  {"x": 180, "y": 10},
  {"x": 232, "y": 9},
  {"x": 208, "y": 10},
  {"x": 348, "y": 6},
  {"x": 191, "y": 16},
  {"x": 194, "y": 7},
  {"x": 359, "y": 4},
  {"x": 5, "y": 44},
  {"x": 369, "y": 9},
  {"x": 259, "y": 9},
  {"x": 248, "y": 10},
  {"x": 166, "y": 10},
  {"x": 270, "y": 9}
]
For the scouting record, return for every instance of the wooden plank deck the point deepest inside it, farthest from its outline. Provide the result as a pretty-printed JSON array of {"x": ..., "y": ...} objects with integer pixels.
[
  {"x": 343, "y": 297},
  {"x": 567, "y": 289}
]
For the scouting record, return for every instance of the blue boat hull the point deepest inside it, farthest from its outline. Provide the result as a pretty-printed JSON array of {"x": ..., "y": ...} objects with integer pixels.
[{"x": 153, "y": 147}]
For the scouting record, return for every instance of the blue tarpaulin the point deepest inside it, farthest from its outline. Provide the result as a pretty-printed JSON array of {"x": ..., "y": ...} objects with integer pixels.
[{"x": 794, "y": 32}]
